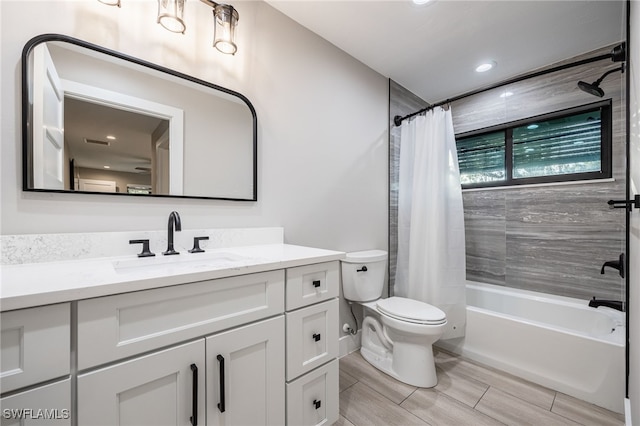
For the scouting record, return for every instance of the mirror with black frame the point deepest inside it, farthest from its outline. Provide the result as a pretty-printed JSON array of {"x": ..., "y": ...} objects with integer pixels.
[{"x": 98, "y": 121}]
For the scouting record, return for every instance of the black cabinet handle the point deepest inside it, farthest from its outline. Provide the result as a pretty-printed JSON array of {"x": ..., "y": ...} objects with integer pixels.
[
  {"x": 145, "y": 248},
  {"x": 363, "y": 269},
  {"x": 316, "y": 283},
  {"x": 316, "y": 337},
  {"x": 221, "y": 403},
  {"x": 317, "y": 403},
  {"x": 194, "y": 396}
]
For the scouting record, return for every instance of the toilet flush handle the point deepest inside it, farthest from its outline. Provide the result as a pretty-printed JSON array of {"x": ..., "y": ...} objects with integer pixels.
[{"x": 363, "y": 269}]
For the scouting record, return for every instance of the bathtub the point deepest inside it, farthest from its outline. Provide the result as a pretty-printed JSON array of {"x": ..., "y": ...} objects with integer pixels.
[{"x": 557, "y": 342}]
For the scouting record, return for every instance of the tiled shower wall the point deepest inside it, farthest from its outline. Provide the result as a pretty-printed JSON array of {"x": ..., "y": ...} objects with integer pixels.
[
  {"x": 554, "y": 238},
  {"x": 401, "y": 102}
]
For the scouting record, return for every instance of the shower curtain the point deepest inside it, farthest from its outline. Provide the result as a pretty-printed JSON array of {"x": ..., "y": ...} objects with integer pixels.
[{"x": 431, "y": 246}]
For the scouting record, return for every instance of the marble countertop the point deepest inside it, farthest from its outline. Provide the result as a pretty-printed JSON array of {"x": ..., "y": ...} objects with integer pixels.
[{"x": 35, "y": 284}]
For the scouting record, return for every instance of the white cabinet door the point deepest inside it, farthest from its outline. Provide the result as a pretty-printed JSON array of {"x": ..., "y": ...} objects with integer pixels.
[
  {"x": 163, "y": 388},
  {"x": 34, "y": 345},
  {"x": 45, "y": 405},
  {"x": 245, "y": 375}
]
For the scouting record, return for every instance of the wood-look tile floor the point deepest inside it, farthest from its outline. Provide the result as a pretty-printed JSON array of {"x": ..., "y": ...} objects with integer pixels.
[{"x": 467, "y": 394}]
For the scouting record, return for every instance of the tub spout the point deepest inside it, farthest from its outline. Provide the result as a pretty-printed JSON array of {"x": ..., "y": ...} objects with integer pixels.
[
  {"x": 614, "y": 304},
  {"x": 615, "y": 264}
]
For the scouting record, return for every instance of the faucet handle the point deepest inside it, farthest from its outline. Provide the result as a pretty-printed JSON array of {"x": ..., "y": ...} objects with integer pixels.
[
  {"x": 145, "y": 248},
  {"x": 196, "y": 245}
]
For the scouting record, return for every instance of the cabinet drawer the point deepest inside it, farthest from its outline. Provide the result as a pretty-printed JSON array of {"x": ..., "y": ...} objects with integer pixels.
[
  {"x": 312, "y": 337},
  {"x": 311, "y": 284},
  {"x": 115, "y": 327},
  {"x": 313, "y": 398},
  {"x": 35, "y": 345},
  {"x": 44, "y": 405}
]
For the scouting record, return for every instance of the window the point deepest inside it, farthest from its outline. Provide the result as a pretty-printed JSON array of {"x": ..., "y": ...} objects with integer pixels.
[{"x": 567, "y": 145}]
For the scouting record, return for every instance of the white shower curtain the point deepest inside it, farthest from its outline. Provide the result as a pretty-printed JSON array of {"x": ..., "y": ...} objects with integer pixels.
[{"x": 431, "y": 250}]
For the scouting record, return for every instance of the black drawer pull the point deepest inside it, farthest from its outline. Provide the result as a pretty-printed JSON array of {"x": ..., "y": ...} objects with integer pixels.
[
  {"x": 317, "y": 403},
  {"x": 316, "y": 337},
  {"x": 316, "y": 283},
  {"x": 220, "y": 359},
  {"x": 194, "y": 396},
  {"x": 363, "y": 269}
]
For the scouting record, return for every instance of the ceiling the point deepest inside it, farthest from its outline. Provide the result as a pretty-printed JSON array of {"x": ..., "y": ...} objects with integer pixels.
[
  {"x": 433, "y": 49},
  {"x": 86, "y": 126}
]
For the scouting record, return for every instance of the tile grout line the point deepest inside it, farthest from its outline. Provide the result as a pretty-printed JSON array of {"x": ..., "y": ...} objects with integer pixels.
[
  {"x": 507, "y": 391},
  {"x": 555, "y": 395},
  {"x": 386, "y": 397},
  {"x": 349, "y": 387},
  {"x": 408, "y": 396},
  {"x": 393, "y": 402},
  {"x": 480, "y": 399}
]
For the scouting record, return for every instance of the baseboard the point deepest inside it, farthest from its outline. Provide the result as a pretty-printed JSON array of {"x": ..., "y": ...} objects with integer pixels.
[{"x": 349, "y": 343}]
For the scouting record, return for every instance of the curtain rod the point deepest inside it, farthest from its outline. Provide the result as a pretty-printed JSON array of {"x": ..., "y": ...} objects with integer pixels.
[{"x": 618, "y": 54}]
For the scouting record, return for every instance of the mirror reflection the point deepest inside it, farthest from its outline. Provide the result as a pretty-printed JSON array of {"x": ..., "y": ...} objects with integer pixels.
[{"x": 101, "y": 122}]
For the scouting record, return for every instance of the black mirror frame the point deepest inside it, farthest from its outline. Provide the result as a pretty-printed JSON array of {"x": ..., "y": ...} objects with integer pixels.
[{"x": 26, "y": 51}]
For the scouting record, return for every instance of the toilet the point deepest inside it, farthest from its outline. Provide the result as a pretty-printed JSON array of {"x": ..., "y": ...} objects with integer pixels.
[{"x": 397, "y": 333}]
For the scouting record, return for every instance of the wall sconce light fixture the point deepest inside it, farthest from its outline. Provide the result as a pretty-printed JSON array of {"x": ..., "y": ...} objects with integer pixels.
[
  {"x": 225, "y": 20},
  {"x": 171, "y": 15}
]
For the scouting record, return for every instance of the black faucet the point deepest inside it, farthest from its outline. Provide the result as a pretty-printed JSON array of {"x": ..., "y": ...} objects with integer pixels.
[
  {"x": 615, "y": 264},
  {"x": 614, "y": 304},
  {"x": 174, "y": 221}
]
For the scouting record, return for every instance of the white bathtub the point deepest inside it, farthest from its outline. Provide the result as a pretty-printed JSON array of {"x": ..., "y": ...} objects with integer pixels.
[{"x": 557, "y": 342}]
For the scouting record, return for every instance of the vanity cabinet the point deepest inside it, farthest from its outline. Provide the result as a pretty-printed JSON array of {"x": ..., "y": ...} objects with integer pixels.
[
  {"x": 241, "y": 369},
  {"x": 231, "y": 378},
  {"x": 258, "y": 348},
  {"x": 27, "y": 334},
  {"x": 312, "y": 344}
]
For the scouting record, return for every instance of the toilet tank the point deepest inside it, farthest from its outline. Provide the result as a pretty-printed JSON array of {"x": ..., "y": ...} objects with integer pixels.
[{"x": 363, "y": 275}]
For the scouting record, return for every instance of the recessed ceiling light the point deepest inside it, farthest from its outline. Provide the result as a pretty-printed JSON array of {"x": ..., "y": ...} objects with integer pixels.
[
  {"x": 486, "y": 66},
  {"x": 421, "y": 2},
  {"x": 111, "y": 137},
  {"x": 506, "y": 94},
  {"x": 107, "y": 167}
]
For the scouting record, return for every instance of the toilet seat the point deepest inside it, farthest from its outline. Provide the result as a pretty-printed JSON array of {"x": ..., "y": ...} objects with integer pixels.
[{"x": 409, "y": 310}]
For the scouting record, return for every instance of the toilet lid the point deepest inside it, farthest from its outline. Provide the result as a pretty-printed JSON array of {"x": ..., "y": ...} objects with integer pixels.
[{"x": 411, "y": 310}]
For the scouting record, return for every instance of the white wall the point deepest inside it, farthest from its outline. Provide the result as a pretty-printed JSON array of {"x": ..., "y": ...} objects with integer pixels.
[
  {"x": 634, "y": 228},
  {"x": 322, "y": 125}
]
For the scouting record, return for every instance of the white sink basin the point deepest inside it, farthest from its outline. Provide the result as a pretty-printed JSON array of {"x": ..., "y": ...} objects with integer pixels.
[{"x": 184, "y": 261}]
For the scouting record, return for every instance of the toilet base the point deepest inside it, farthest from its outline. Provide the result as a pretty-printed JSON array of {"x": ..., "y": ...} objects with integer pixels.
[{"x": 423, "y": 375}]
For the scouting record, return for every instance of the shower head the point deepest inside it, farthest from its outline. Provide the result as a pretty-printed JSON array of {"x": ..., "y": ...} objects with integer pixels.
[
  {"x": 591, "y": 89},
  {"x": 594, "y": 88}
]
